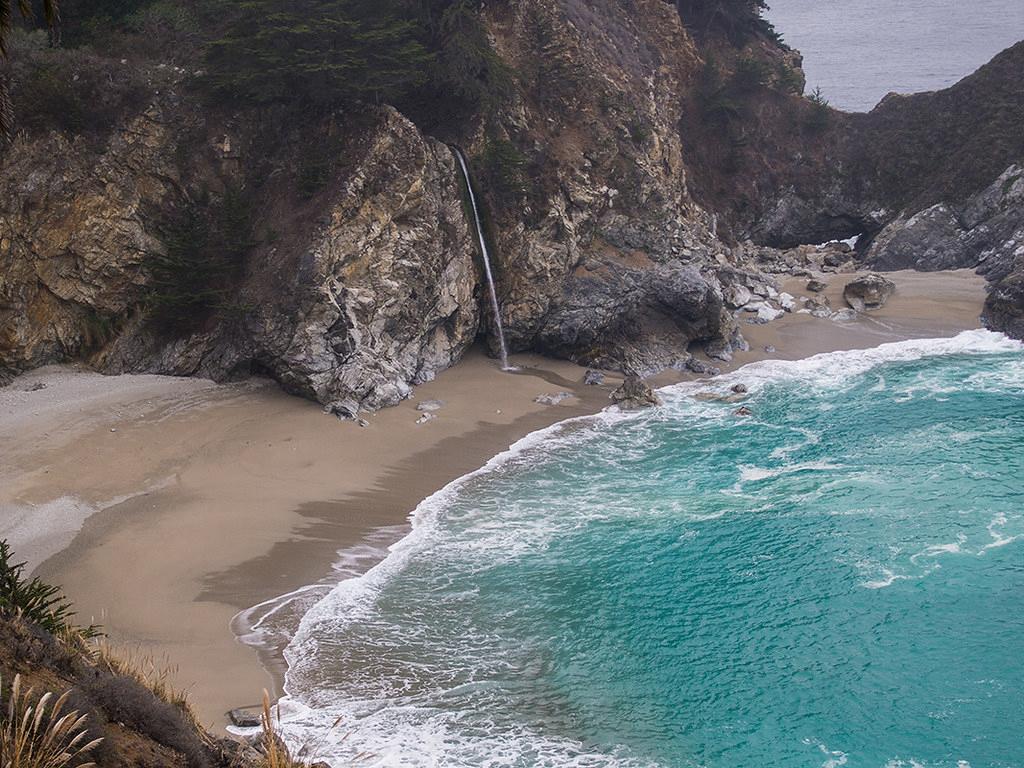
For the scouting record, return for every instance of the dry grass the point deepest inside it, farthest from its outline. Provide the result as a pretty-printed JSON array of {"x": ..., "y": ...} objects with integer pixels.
[
  {"x": 151, "y": 673},
  {"x": 34, "y": 734},
  {"x": 275, "y": 751}
]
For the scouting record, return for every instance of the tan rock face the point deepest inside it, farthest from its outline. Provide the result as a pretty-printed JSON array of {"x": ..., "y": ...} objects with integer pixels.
[
  {"x": 380, "y": 295},
  {"x": 392, "y": 296},
  {"x": 74, "y": 227},
  {"x": 351, "y": 312},
  {"x": 597, "y": 110}
]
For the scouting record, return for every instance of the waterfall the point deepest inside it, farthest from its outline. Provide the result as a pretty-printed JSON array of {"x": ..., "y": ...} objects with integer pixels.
[{"x": 486, "y": 257}]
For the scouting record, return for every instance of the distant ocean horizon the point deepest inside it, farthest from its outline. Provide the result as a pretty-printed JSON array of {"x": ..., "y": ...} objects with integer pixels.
[{"x": 857, "y": 52}]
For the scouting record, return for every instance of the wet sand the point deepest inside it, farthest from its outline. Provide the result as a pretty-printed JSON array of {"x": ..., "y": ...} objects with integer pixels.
[{"x": 165, "y": 506}]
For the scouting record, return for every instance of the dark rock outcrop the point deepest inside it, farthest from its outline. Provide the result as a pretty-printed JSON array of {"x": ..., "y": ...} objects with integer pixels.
[
  {"x": 603, "y": 258},
  {"x": 868, "y": 292},
  {"x": 984, "y": 230},
  {"x": 635, "y": 393},
  {"x": 1004, "y": 307}
]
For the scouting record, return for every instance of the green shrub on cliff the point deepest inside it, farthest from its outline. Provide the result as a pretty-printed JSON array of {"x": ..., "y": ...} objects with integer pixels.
[
  {"x": 465, "y": 65},
  {"x": 73, "y": 90},
  {"x": 503, "y": 169},
  {"x": 430, "y": 58},
  {"x": 820, "y": 114},
  {"x": 40, "y": 603},
  {"x": 8, "y": 8},
  {"x": 751, "y": 74}
]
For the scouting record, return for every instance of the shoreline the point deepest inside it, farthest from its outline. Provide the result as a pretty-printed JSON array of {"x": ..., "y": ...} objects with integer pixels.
[{"x": 290, "y": 488}]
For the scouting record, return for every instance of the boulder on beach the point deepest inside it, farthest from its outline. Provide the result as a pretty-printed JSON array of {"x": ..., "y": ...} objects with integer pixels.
[
  {"x": 868, "y": 292},
  {"x": 635, "y": 393},
  {"x": 816, "y": 286},
  {"x": 246, "y": 717},
  {"x": 593, "y": 378}
]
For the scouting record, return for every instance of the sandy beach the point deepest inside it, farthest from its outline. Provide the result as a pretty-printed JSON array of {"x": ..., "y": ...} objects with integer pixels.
[{"x": 166, "y": 506}]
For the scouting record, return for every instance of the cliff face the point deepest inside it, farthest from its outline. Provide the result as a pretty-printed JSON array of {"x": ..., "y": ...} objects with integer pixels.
[
  {"x": 616, "y": 184},
  {"x": 930, "y": 181},
  {"x": 74, "y": 229},
  {"x": 376, "y": 293},
  {"x": 371, "y": 286},
  {"x": 604, "y": 258},
  {"x": 859, "y": 172}
]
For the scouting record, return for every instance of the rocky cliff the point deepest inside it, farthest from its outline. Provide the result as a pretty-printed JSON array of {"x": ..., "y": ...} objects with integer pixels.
[
  {"x": 372, "y": 284},
  {"x": 373, "y": 290},
  {"x": 633, "y": 179}
]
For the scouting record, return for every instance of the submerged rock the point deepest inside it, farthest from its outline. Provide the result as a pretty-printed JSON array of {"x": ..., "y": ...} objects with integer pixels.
[
  {"x": 868, "y": 292},
  {"x": 429, "y": 405},
  {"x": 635, "y": 393}
]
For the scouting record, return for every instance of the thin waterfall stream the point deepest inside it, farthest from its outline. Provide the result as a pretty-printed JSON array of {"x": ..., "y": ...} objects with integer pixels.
[{"x": 486, "y": 258}]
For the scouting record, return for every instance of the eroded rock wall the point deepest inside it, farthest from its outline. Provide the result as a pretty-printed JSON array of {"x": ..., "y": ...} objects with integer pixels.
[
  {"x": 75, "y": 227},
  {"x": 606, "y": 259},
  {"x": 379, "y": 294}
]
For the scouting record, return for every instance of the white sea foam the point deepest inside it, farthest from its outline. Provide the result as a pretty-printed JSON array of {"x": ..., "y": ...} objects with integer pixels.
[
  {"x": 404, "y": 736},
  {"x": 833, "y": 757},
  {"x": 752, "y": 474},
  {"x": 833, "y": 369},
  {"x": 935, "y": 550},
  {"x": 888, "y": 578},
  {"x": 999, "y": 537}
]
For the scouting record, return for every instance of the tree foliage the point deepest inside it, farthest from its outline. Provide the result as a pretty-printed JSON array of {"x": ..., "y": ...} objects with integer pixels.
[
  {"x": 322, "y": 52},
  {"x": 738, "y": 20},
  {"x": 8, "y": 11},
  {"x": 41, "y": 603},
  {"x": 206, "y": 246}
]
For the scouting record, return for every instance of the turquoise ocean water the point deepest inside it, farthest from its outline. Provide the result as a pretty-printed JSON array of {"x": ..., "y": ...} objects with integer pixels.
[{"x": 835, "y": 580}]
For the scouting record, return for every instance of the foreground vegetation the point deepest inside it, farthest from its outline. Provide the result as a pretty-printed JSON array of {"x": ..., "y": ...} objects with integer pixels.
[
  {"x": 118, "y": 707},
  {"x": 36, "y": 732}
]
